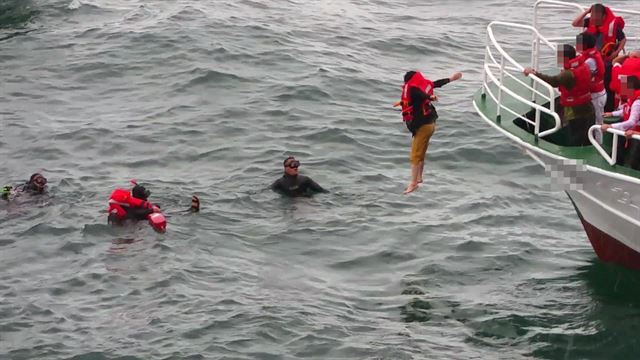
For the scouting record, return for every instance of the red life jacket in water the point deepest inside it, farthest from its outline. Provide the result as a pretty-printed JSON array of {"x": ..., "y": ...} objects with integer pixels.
[
  {"x": 425, "y": 85},
  {"x": 608, "y": 29},
  {"x": 121, "y": 200},
  {"x": 597, "y": 80},
  {"x": 579, "y": 94}
]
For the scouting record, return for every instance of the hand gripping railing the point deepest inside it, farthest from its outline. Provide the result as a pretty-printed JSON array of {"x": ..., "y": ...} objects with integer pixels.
[
  {"x": 492, "y": 63},
  {"x": 611, "y": 159}
]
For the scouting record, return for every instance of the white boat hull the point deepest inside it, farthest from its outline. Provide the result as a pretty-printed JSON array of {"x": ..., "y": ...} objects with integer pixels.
[{"x": 607, "y": 203}]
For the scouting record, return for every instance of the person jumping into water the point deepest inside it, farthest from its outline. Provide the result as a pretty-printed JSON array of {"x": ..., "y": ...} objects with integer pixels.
[{"x": 420, "y": 116}]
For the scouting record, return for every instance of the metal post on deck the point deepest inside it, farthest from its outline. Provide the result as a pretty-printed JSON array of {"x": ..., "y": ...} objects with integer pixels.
[
  {"x": 499, "y": 107},
  {"x": 484, "y": 72},
  {"x": 534, "y": 65},
  {"x": 534, "y": 52},
  {"x": 614, "y": 149}
]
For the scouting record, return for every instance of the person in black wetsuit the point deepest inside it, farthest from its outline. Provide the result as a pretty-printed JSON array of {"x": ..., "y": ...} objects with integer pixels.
[
  {"x": 292, "y": 184},
  {"x": 37, "y": 184}
]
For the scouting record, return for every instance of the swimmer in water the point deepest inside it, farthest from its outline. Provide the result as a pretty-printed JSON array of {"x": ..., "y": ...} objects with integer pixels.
[
  {"x": 130, "y": 205},
  {"x": 292, "y": 184},
  {"x": 36, "y": 185}
]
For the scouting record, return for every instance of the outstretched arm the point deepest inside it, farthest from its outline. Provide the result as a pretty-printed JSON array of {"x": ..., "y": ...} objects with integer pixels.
[
  {"x": 315, "y": 187},
  {"x": 565, "y": 78},
  {"x": 445, "y": 81}
]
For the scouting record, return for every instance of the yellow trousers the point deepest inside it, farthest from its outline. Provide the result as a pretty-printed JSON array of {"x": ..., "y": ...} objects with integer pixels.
[{"x": 420, "y": 143}]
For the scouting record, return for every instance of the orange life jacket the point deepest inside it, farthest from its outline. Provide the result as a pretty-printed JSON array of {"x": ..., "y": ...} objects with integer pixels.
[
  {"x": 631, "y": 66},
  {"x": 597, "y": 80},
  {"x": 608, "y": 29},
  {"x": 121, "y": 200},
  {"x": 580, "y": 93},
  {"x": 425, "y": 85}
]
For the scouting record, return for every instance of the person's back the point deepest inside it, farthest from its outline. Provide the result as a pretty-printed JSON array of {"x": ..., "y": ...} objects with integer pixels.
[{"x": 130, "y": 205}]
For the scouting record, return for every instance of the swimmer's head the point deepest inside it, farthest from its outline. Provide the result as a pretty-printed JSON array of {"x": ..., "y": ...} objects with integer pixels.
[
  {"x": 37, "y": 182},
  {"x": 291, "y": 165},
  {"x": 140, "y": 192}
]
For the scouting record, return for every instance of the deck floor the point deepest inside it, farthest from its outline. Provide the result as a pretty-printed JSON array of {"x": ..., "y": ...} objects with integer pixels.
[{"x": 588, "y": 154}]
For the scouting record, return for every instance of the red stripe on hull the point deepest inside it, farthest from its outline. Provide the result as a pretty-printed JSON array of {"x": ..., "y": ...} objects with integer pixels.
[{"x": 609, "y": 249}]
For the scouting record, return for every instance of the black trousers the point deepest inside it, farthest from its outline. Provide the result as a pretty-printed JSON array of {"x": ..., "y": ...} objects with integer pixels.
[
  {"x": 577, "y": 130},
  {"x": 609, "y": 105}
]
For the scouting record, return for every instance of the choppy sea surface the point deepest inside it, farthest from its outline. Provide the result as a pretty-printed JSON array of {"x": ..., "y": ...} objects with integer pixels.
[{"x": 486, "y": 261}]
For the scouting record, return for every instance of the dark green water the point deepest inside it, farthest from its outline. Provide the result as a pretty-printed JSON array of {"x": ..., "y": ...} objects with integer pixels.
[{"x": 485, "y": 261}]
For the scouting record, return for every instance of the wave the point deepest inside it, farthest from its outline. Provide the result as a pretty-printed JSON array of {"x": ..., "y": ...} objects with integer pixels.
[{"x": 16, "y": 14}]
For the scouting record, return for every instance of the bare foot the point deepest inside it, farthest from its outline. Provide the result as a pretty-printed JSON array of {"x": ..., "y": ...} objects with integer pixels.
[
  {"x": 419, "y": 181},
  {"x": 411, "y": 188}
]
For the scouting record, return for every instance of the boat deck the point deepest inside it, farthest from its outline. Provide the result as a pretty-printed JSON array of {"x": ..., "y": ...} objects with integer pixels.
[{"x": 587, "y": 154}]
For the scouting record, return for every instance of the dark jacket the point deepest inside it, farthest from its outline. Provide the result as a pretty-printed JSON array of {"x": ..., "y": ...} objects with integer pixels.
[
  {"x": 296, "y": 185},
  {"x": 417, "y": 96}
]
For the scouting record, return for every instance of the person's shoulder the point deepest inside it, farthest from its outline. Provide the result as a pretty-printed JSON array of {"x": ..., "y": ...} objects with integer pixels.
[{"x": 277, "y": 182}]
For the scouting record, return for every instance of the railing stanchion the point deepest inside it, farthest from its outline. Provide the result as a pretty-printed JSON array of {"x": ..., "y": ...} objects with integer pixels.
[
  {"x": 614, "y": 149},
  {"x": 498, "y": 116}
]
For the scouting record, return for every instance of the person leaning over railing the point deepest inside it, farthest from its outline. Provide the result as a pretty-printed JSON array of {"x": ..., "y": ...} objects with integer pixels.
[
  {"x": 574, "y": 83},
  {"x": 630, "y": 113}
]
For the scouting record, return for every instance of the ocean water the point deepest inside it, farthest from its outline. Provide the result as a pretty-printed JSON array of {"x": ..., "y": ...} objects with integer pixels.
[{"x": 487, "y": 260}]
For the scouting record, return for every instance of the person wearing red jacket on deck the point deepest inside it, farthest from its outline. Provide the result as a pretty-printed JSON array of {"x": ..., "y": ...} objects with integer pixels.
[
  {"x": 624, "y": 65},
  {"x": 607, "y": 28},
  {"x": 630, "y": 114},
  {"x": 130, "y": 205},
  {"x": 574, "y": 83},
  {"x": 586, "y": 45}
]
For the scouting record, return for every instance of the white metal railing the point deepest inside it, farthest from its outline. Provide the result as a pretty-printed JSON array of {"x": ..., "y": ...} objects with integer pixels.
[
  {"x": 562, "y": 31},
  {"x": 611, "y": 159},
  {"x": 556, "y": 36},
  {"x": 504, "y": 68}
]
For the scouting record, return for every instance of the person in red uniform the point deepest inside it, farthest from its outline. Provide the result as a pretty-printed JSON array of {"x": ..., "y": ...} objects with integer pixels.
[
  {"x": 574, "y": 83},
  {"x": 624, "y": 65},
  {"x": 586, "y": 45},
  {"x": 629, "y": 112},
  {"x": 607, "y": 28},
  {"x": 130, "y": 205}
]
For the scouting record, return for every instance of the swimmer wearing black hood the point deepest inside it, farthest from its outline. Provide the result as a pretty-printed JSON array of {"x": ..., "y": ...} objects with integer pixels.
[
  {"x": 292, "y": 184},
  {"x": 36, "y": 185}
]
